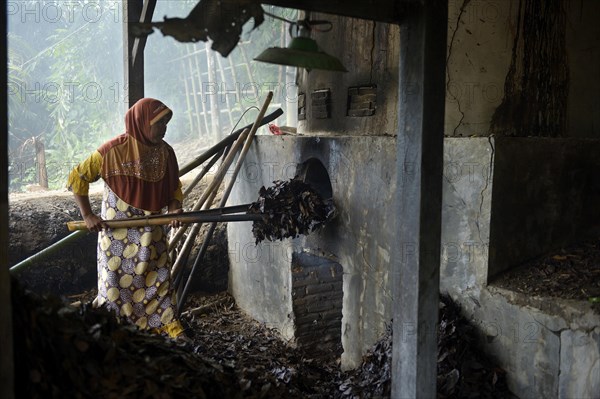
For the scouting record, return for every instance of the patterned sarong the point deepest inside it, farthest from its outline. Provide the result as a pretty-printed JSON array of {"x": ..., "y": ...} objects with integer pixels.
[{"x": 134, "y": 276}]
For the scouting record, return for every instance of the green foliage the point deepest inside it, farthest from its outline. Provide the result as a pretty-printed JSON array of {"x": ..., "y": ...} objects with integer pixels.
[
  {"x": 66, "y": 84},
  {"x": 66, "y": 79}
]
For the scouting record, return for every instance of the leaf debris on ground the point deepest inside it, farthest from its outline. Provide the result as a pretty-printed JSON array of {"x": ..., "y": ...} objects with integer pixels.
[{"x": 82, "y": 352}]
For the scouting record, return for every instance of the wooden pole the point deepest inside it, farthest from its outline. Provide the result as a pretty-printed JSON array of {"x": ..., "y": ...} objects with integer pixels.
[
  {"x": 189, "y": 241},
  {"x": 249, "y": 72},
  {"x": 238, "y": 94},
  {"x": 40, "y": 159},
  {"x": 202, "y": 173},
  {"x": 211, "y": 194},
  {"x": 24, "y": 264},
  {"x": 225, "y": 142},
  {"x": 186, "y": 217},
  {"x": 238, "y": 166},
  {"x": 188, "y": 94},
  {"x": 172, "y": 241},
  {"x": 215, "y": 109},
  {"x": 225, "y": 92},
  {"x": 205, "y": 111},
  {"x": 134, "y": 73},
  {"x": 216, "y": 182},
  {"x": 208, "y": 215}
]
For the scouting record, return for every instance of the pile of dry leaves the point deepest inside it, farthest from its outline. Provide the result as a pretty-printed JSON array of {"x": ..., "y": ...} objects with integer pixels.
[
  {"x": 572, "y": 272},
  {"x": 290, "y": 208},
  {"x": 63, "y": 351}
]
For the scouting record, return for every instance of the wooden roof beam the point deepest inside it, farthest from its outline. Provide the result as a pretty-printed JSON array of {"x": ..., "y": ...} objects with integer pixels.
[
  {"x": 390, "y": 11},
  {"x": 133, "y": 47}
]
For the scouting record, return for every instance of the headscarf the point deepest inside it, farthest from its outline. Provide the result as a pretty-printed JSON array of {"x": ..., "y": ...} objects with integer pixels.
[{"x": 143, "y": 174}]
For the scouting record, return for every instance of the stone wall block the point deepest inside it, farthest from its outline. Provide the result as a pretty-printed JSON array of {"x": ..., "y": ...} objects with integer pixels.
[{"x": 579, "y": 375}]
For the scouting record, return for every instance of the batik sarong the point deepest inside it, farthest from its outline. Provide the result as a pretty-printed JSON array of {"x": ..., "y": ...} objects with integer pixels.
[{"x": 134, "y": 271}]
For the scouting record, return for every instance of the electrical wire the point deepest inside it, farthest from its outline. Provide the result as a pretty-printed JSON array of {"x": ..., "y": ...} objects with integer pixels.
[{"x": 242, "y": 115}]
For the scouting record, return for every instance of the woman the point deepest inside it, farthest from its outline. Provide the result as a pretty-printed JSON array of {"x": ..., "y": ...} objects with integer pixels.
[{"x": 141, "y": 177}]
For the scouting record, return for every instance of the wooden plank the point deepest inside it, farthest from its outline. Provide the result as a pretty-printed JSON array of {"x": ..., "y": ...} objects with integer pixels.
[{"x": 420, "y": 141}]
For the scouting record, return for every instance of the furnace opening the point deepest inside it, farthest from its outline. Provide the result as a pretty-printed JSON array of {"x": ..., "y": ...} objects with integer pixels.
[{"x": 313, "y": 172}]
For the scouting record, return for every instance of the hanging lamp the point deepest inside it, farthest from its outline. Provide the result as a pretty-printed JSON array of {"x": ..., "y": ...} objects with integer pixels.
[{"x": 303, "y": 51}]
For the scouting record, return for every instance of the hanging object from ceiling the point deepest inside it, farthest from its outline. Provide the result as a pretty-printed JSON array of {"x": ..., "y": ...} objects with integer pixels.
[
  {"x": 303, "y": 51},
  {"x": 219, "y": 20}
]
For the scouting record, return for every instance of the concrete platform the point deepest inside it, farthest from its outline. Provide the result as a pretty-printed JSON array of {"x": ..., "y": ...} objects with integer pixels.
[{"x": 549, "y": 347}]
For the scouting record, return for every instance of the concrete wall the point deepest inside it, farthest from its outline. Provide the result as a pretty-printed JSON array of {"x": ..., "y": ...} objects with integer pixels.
[
  {"x": 370, "y": 52},
  {"x": 480, "y": 42},
  {"x": 549, "y": 348},
  {"x": 359, "y": 153},
  {"x": 541, "y": 196},
  {"x": 480, "y": 39},
  {"x": 466, "y": 210},
  {"x": 545, "y": 195},
  {"x": 359, "y": 238},
  {"x": 507, "y": 200},
  {"x": 583, "y": 48}
]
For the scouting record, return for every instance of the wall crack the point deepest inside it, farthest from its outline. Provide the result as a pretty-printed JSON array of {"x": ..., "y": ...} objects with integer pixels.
[
  {"x": 485, "y": 187},
  {"x": 450, "y": 46}
]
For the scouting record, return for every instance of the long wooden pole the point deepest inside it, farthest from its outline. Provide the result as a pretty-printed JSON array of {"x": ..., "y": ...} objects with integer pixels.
[
  {"x": 202, "y": 173},
  {"x": 225, "y": 142},
  {"x": 24, "y": 264},
  {"x": 174, "y": 240},
  {"x": 209, "y": 215},
  {"x": 216, "y": 182},
  {"x": 209, "y": 194},
  {"x": 238, "y": 166}
]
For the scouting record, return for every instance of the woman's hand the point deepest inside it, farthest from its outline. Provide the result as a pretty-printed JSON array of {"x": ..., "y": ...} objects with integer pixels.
[
  {"x": 94, "y": 222},
  {"x": 175, "y": 223}
]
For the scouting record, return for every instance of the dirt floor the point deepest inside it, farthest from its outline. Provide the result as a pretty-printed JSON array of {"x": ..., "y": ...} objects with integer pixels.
[{"x": 80, "y": 352}]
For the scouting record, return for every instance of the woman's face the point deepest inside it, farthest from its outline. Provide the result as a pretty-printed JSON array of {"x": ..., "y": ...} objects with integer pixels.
[{"x": 158, "y": 130}]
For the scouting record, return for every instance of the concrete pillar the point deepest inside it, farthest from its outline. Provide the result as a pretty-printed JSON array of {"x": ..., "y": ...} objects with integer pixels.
[{"x": 416, "y": 264}]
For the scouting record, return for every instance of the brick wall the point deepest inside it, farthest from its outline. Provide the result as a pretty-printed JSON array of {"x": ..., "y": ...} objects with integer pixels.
[{"x": 317, "y": 303}]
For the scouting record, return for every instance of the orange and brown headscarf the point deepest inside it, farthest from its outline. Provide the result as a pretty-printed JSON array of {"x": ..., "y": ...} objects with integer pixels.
[{"x": 143, "y": 174}]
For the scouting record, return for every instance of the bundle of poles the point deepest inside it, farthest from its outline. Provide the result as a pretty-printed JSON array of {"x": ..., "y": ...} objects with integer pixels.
[{"x": 182, "y": 240}]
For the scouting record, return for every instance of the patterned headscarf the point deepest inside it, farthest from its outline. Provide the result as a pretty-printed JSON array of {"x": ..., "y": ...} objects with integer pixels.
[{"x": 143, "y": 174}]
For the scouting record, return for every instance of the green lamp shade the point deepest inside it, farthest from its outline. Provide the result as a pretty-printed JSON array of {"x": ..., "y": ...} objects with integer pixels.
[{"x": 302, "y": 52}]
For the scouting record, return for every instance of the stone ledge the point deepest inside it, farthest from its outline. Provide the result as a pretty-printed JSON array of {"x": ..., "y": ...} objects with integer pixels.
[{"x": 549, "y": 347}]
